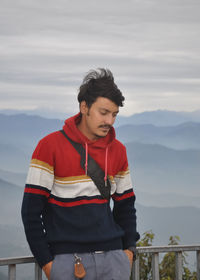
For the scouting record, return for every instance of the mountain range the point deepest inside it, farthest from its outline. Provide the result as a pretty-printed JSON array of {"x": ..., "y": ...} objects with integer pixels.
[
  {"x": 157, "y": 167},
  {"x": 162, "y": 221},
  {"x": 158, "y": 117},
  {"x": 181, "y": 137},
  {"x": 164, "y": 160}
]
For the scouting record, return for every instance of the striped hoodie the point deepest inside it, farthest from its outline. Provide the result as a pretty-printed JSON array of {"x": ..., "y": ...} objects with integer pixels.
[{"x": 62, "y": 209}]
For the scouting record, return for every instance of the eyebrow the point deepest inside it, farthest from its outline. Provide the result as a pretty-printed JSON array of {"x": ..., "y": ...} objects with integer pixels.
[{"x": 116, "y": 112}]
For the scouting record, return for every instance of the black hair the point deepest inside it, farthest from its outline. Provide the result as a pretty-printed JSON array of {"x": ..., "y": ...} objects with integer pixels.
[{"x": 99, "y": 83}]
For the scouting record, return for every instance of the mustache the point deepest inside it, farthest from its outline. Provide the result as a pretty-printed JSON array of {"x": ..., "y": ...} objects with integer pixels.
[{"x": 105, "y": 126}]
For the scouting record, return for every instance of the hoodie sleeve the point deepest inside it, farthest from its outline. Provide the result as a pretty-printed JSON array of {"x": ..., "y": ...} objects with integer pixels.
[
  {"x": 37, "y": 190},
  {"x": 124, "y": 211}
]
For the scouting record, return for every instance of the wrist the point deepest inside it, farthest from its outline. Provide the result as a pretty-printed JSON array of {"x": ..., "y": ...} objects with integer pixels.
[
  {"x": 47, "y": 269},
  {"x": 133, "y": 250}
]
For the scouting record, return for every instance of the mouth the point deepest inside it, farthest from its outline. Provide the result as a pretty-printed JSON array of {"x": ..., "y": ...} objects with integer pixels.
[{"x": 105, "y": 128}]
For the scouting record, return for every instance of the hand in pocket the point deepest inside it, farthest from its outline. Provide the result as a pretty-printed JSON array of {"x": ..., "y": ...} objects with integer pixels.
[
  {"x": 47, "y": 269},
  {"x": 129, "y": 255}
]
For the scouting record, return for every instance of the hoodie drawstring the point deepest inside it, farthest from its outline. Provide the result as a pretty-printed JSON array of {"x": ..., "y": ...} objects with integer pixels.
[
  {"x": 106, "y": 167},
  {"x": 86, "y": 157}
]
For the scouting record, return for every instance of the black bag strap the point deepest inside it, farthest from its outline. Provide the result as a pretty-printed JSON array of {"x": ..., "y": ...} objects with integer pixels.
[{"x": 93, "y": 169}]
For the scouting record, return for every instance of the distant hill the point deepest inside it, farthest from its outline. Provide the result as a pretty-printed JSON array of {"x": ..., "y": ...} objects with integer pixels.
[
  {"x": 41, "y": 112},
  {"x": 158, "y": 117},
  {"x": 164, "y": 222},
  {"x": 13, "y": 244},
  {"x": 12, "y": 238},
  {"x": 162, "y": 176},
  {"x": 166, "y": 199},
  {"x": 183, "y": 136},
  {"x": 21, "y": 133},
  {"x": 10, "y": 203},
  {"x": 19, "y": 136},
  {"x": 13, "y": 158},
  {"x": 157, "y": 169},
  {"x": 13, "y": 177},
  {"x": 24, "y": 131}
]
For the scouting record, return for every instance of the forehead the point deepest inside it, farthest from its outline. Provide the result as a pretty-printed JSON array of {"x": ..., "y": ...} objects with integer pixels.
[{"x": 105, "y": 103}]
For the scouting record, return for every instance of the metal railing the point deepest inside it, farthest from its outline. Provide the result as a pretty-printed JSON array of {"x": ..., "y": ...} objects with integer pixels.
[
  {"x": 12, "y": 262},
  {"x": 153, "y": 250},
  {"x": 156, "y": 250}
]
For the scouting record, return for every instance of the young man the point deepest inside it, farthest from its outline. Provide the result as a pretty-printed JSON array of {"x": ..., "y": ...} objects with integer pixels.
[{"x": 68, "y": 222}]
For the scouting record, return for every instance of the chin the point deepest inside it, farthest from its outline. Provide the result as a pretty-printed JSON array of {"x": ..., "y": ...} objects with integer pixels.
[{"x": 101, "y": 135}]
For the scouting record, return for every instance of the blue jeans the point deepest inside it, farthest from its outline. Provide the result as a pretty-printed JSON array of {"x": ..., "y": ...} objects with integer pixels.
[{"x": 111, "y": 265}]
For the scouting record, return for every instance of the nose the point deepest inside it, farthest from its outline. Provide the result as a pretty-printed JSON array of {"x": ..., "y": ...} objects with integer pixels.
[{"x": 110, "y": 119}]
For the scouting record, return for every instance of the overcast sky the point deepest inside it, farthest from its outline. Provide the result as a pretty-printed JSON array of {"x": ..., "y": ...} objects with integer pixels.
[{"x": 151, "y": 46}]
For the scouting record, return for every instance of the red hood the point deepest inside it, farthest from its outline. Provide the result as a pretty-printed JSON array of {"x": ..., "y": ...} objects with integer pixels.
[
  {"x": 74, "y": 133},
  {"x": 70, "y": 128}
]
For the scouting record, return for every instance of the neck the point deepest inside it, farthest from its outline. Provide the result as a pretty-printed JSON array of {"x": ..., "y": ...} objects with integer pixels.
[{"x": 83, "y": 129}]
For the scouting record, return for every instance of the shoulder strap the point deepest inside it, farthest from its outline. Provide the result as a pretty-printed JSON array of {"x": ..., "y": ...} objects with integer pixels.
[{"x": 93, "y": 170}]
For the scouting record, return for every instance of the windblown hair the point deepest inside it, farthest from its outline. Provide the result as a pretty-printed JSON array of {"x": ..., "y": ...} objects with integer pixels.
[{"x": 99, "y": 83}]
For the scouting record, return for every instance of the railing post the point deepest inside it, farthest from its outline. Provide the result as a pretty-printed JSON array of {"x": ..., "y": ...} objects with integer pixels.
[
  {"x": 198, "y": 264},
  {"x": 11, "y": 272},
  {"x": 38, "y": 272},
  {"x": 136, "y": 269},
  {"x": 179, "y": 266},
  {"x": 155, "y": 266}
]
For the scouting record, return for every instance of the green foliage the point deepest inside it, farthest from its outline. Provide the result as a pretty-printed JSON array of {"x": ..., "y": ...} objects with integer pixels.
[
  {"x": 188, "y": 275},
  {"x": 167, "y": 265},
  {"x": 146, "y": 258}
]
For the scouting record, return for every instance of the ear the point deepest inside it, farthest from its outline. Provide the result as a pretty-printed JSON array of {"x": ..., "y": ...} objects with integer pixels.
[{"x": 83, "y": 108}]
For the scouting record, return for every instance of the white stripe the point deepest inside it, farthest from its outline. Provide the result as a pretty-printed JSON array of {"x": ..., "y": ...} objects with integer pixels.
[
  {"x": 123, "y": 184},
  {"x": 89, "y": 189},
  {"x": 41, "y": 167},
  {"x": 72, "y": 189},
  {"x": 75, "y": 189},
  {"x": 37, "y": 176}
]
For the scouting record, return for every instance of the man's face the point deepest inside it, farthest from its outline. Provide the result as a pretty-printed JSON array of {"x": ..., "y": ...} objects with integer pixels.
[{"x": 99, "y": 118}]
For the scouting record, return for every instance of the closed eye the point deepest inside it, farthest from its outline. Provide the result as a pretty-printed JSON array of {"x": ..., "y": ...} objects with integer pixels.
[{"x": 103, "y": 113}]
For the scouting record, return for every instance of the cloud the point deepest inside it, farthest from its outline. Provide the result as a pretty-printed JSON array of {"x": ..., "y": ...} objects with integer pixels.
[{"x": 152, "y": 47}]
